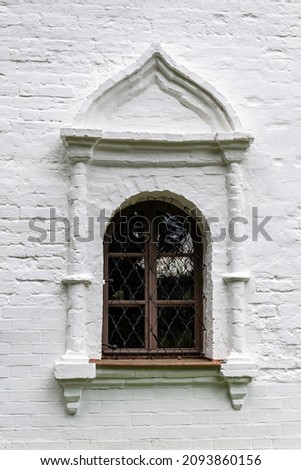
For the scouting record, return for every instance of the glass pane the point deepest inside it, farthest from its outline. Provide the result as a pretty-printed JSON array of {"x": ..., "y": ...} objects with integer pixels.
[
  {"x": 126, "y": 278},
  {"x": 126, "y": 327},
  {"x": 175, "y": 278},
  {"x": 176, "y": 327},
  {"x": 129, "y": 234},
  {"x": 173, "y": 234}
]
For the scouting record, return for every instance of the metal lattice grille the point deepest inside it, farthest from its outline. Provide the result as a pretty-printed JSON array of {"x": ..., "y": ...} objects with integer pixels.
[{"x": 153, "y": 290}]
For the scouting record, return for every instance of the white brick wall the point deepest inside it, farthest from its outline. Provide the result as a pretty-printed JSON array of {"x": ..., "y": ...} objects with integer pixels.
[{"x": 54, "y": 55}]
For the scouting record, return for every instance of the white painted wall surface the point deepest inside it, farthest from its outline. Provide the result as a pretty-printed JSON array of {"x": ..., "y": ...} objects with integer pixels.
[{"x": 54, "y": 55}]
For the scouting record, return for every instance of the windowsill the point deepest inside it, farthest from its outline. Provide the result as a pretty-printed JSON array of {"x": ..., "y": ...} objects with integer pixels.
[
  {"x": 182, "y": 362},
  {"x": 111, "y": 373},
  {"x": 122, "y": 373}
]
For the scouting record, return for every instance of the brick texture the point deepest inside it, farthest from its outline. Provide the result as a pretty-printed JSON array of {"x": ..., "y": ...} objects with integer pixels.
[{"x": 53, "y": 55}]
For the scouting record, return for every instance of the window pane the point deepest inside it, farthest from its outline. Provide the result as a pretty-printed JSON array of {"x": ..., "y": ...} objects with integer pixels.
[
  {"x": 175, "y": 278},
  {"x": 129, "y": 234},
  {"x": 176, "y": 327},
  {"x": 151, "y": 296},
  {"x": 126, "y": 278},
  {"x": 126, "y": 327},
  {"x": 173, "y": 234}
]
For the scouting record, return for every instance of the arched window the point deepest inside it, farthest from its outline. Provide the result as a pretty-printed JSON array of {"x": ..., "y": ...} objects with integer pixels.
[
  {"x": 153, "y": 283},
  {"x": 153, "y": 255}
]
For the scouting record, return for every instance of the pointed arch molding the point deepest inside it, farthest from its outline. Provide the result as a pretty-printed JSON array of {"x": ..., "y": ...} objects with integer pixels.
[
  {"x": 124, "y": 116},
  {"x": 155, "y": 70}
]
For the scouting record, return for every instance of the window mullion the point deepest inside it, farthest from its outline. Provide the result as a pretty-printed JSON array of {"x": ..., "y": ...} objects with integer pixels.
[{"x": 152, "y": 286}]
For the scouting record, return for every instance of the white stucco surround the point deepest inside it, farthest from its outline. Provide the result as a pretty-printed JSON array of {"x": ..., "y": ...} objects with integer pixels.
[{"x": 157, "y": 130}]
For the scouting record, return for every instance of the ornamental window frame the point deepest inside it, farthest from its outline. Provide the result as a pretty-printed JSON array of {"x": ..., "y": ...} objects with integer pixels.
[
  {"x": 87, "y": 143},
  {"x": 159, "y": 327}
]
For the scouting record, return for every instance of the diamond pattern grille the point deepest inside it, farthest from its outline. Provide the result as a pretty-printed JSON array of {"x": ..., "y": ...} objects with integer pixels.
[
  {"x": 126, "y": 327},
  {"x": 126, "y": 280},
  {"x": 175, "y": 278},
  {"x": 153, "y": 299},
  {"x": 176, "y": 327}
]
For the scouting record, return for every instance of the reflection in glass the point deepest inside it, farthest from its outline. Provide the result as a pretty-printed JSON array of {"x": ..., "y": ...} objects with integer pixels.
[
  {"x": 126, "y": 327},
  {"x": 129, "y": 234},
  {"x": 126, "y": 278},
  {"x": 176, "y": 327},
  {"x": 173, "y": 234},
  {"x": 175, "y": 278}
]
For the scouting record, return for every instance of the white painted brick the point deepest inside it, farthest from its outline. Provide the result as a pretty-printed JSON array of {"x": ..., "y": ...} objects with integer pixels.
[
  {"x": 20, "y": 337},
  {"x": 20, "y": 372},
  {"x": 173, "y": 419},
  {"x": 266, "y": 403},
  {"x": 21, "y": 312},
  {"x": 284, "y": 390},
  {"x": 263, "y": 430},
  {"x": 5, "y": 324},
  {"x": 228, "y": 417},
  {"x": 5, "y": 348},
  {"x": 7, "y": 421},
  {"x": 40, "y": 348},
  {"x": 143, "y": 419},
  {"x": 4, "y": 371},
  {"x": 232, "y": 443},
  {"x": 9, "y": 212},
  {"x": 5, "y": 445},
  {"x": 291, "y": 403},
  {"x": 265, "y": 311},
  {"x": 287, "y": 416},
  {"x": 287, "y": 443},
  {"x": 283, "y": 285},
  {"x": 262, "y": 443},
  {"x": 49, "y": 91},
  {"x": 45, "y": 396},
  {"x": 57, "y": 445},
  {"x": 23, "y": 360},
  {"x": 44, "y": 370},
  {"x": 44, "y": 81}
]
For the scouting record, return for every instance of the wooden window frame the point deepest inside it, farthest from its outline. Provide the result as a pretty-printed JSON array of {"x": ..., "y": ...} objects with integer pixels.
[{"x": 150, "y": 301}]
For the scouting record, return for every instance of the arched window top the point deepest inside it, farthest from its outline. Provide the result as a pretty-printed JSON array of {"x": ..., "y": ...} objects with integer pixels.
[{"x": 153, "y": 283}]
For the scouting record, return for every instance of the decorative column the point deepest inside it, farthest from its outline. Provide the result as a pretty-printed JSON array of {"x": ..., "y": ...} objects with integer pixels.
[
  {"x": 74, "y": 369},
  {"x": 239, "y": 368}
]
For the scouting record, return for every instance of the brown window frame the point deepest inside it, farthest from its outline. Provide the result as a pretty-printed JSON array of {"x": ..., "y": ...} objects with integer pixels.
[{"x": 150, "y": 301}]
